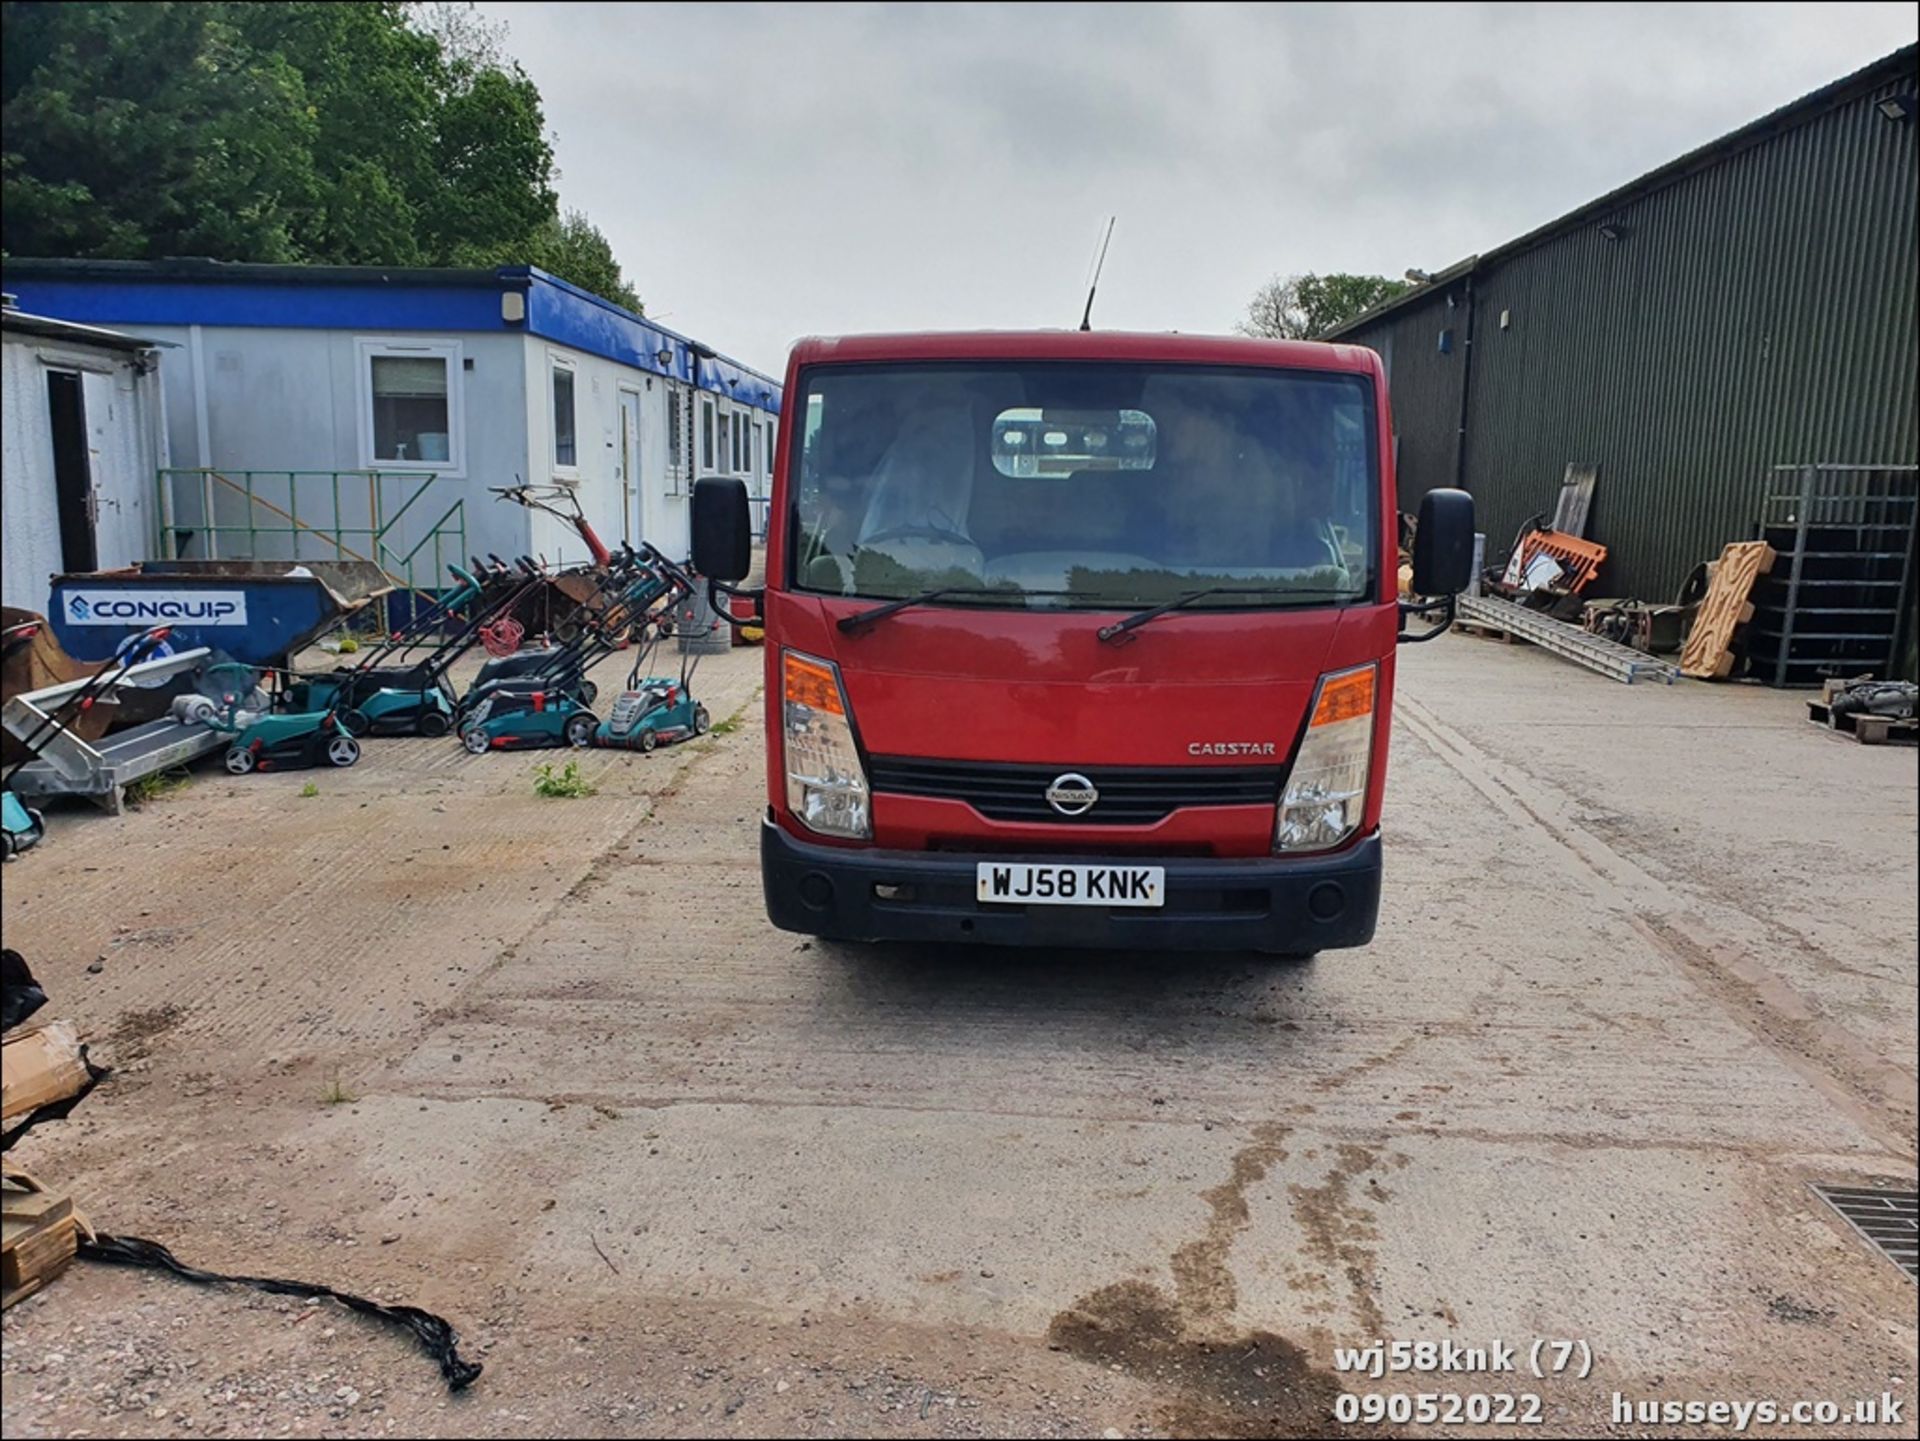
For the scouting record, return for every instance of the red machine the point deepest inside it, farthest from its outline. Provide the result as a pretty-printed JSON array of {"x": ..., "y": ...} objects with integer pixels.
[{"x": 1081, "y": 638}]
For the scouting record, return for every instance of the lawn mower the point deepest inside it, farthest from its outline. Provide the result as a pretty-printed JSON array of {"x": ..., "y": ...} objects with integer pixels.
[
  {"x": 551, "y": 705},
  {"x": 267, "y": 738},
  {"x": 603, "y": 598},
  {"x": 376, "y": 698},
  {"x": 653, "y": 711},
  {"x": 21, "y": 826},
  {"x": 417, "y": 699},
  {"x": 617, "y": 606}
]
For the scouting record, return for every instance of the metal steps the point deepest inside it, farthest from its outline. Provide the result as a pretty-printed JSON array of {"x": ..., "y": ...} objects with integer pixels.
[{"x": 1596, "y": 653}]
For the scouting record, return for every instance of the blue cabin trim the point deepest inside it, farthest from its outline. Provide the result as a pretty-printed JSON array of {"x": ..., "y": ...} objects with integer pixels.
[{"x": 367, "y": 298}]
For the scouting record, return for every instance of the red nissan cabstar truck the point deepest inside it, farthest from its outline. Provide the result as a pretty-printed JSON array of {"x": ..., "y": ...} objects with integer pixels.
[{"x": 1080, "y": 638}]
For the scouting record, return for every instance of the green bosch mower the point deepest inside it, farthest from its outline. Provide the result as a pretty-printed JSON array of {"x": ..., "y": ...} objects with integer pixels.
[
  {"x": 268, "y": 738},
  {"x": 653, "y": 711}
]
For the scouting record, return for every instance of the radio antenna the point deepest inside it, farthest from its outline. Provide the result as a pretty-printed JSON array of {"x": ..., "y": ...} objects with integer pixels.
[{"x": 1099, "y": 261}]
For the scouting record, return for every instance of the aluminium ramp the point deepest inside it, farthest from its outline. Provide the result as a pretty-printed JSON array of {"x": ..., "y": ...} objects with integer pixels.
[{"x": 1596, "y": 653}]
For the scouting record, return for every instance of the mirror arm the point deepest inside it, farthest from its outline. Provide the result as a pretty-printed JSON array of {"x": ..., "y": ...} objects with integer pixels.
[
  {"x": 1444, "y": 605},
  {"x": 718, "y": 588}
]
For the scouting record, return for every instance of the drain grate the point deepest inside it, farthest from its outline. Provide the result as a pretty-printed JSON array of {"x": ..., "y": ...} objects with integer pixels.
[{"x": 1890, "y": 1220}]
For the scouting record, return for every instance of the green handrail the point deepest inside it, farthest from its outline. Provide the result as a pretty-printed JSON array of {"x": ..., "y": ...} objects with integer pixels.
[{"x": 330, "y": 528}]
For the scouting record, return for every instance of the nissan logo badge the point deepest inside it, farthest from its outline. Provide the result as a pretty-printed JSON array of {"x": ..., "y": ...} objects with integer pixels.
[{"x": 1072, "y": 794}]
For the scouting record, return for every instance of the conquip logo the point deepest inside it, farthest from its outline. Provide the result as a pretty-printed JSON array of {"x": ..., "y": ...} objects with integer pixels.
[{"x": 156, "y": 607}]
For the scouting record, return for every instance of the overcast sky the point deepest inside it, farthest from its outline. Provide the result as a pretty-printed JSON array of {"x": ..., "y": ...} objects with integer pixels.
[{"x": 771, "y": 171}]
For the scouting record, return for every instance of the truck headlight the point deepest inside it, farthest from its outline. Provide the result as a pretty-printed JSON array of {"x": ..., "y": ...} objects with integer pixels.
[
  {"x": 826, "y": 784},
  {"x": 1327, "y": 788}
]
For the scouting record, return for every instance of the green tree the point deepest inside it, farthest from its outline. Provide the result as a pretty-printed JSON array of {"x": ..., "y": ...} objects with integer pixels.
[
  {"x": 375, "y": 88},
  {"x": 148, "y": 130},
  {"x": 368, "y": 132},
  {"x": 574, "y": 249},
  {"x": 1305, "y": 307}
]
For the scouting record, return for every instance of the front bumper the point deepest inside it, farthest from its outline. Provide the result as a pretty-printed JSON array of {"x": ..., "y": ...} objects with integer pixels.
[{"x": 1288, "y": 905}]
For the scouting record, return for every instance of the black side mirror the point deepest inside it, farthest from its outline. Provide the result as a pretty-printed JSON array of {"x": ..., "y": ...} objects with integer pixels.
[
  {"x": 1443, "y": 543},
  {"x": 722, "y": 529}
]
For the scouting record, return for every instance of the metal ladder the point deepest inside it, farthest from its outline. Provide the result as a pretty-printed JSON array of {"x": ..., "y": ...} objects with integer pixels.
[{"x": 1596, "y": 653}]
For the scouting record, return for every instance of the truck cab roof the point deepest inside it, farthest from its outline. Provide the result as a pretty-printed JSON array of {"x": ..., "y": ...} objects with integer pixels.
[{"x": 1083, "y": 345}]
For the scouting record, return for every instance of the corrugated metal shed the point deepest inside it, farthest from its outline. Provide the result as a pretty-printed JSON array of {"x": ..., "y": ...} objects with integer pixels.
[{"x": 1749, "y": 305}]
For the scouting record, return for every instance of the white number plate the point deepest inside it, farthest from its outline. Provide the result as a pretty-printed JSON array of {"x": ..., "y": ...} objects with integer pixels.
[{"x": 1016, "y": 884}]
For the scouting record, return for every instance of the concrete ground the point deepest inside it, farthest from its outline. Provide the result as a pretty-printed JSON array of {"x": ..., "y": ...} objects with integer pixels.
[{"x": 1646, "y": 969}]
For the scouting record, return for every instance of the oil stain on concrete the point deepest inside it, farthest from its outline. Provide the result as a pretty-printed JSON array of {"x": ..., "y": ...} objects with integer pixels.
[{"x": 1224, "y": 1381}]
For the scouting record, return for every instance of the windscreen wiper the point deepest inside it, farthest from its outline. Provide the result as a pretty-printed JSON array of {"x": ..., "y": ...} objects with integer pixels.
[
  {"x": 1139, "y": 618},
  {"x": 865, "y": 618}
]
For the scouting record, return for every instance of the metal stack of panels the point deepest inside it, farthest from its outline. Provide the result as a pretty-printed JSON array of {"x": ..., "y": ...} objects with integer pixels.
[{"x": 1834, "y": 601}]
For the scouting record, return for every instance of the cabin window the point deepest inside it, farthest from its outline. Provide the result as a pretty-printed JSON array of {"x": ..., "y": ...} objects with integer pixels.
[
  {"x": 410, "y": 405},
  {"x": 706, "y": 436},
  {"x": 565, "y": 451}
]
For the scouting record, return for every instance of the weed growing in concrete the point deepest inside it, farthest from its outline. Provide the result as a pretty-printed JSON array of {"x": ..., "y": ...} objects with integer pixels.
[
  {"x": 157, "y": 786},
  {"x": 336, "y": 1094},
  {"x": 309, "y": 790},
  {"x": 567, "y": 784}
]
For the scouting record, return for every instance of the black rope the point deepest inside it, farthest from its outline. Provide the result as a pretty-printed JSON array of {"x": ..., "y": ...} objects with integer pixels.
[{"x": 435, "y": 1335}]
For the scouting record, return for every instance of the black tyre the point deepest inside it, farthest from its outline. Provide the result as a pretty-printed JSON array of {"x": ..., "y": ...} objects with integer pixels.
[
  {"x": 434, "y": 723},
  {"x": 355, "y": 722},
  {"x": 38, "y": 825},
  {"x": 648, "y": 740},
  {"x": 476, "y": 740},
  {"x": 579, "y": 730},
  {"x": 342, "y": 751},
  {"x": 702, "y": 722},
  {"x": 589, "y": 692},
  {"x": 239, "y": 760}
]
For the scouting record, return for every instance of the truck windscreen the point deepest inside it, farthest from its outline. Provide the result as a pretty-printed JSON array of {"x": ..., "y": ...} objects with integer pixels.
[{"x": 1090, "y": 485}]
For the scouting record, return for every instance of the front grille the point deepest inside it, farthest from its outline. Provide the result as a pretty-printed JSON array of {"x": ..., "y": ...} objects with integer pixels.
[{"x": 1129, "y": 795}]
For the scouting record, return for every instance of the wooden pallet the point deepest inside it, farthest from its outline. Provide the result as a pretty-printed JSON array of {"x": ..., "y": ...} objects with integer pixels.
[
  {"x": 1869, "y": 730},
  {"x": 1491, "y": 632},
  {"x": 41, "y": 1234},
  {"x": 1708, "y": 654}
]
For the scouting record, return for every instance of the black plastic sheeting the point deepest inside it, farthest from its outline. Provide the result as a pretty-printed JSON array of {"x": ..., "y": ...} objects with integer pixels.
[
  {"x": 436, "y": 1337},
  {"x": 20, "y": 995}
]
